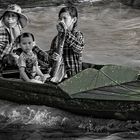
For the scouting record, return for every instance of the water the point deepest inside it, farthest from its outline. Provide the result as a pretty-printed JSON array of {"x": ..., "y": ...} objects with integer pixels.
[
  {"x": 111, "y": 33},
  {"x": 24, "y": 122}
]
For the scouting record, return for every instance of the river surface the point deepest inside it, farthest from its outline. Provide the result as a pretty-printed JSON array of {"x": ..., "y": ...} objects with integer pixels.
[{"x": 112, "y": 36}]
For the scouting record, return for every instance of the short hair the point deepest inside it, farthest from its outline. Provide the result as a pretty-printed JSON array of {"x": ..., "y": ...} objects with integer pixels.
[
  {"x": 23, "y": 35},
  {"x": 71, "y": 10}
]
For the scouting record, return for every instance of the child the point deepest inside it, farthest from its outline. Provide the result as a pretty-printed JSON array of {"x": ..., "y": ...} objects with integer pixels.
[
  {"x": 27, "y": 62},
  {"x": 12, "y": 22},
  {"x": 73, "y": 43}
]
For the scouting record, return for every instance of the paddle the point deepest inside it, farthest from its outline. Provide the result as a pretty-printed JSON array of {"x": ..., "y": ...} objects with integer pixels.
[{"x": 58, "y": 66}]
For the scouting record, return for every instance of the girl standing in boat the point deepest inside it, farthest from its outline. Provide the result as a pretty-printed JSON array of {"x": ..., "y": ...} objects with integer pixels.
[
  {"x": 12, "y": 22},
  {"x": 27, "y": 62},
  {"x": 70, "y": 41}
]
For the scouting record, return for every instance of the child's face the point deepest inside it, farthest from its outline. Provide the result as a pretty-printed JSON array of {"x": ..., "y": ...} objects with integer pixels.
[
  {"x": 26, "y": 44},
  {"x": 68, "y": 20},
  {"x": 10, "y": 18}
]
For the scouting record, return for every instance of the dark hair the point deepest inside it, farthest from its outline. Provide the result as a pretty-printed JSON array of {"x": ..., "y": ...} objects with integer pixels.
[
  {"x": 72, "y": 11},
  {"x": 23, "y": 35}
]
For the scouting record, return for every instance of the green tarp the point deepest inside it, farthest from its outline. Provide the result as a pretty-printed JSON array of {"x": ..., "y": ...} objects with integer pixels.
[{"x": 91, "y": 78}]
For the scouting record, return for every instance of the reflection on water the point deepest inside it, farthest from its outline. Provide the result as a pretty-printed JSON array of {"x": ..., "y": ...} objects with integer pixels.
[
  {"x": 112, "y": 36},
  {"x": 24, "y": 122}
]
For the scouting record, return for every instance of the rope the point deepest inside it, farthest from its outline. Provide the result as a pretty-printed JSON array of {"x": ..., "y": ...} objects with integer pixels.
[{"x": 137, "y": 92}]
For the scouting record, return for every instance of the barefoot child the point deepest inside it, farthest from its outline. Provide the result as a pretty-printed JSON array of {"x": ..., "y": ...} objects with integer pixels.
[
  {"x": 27, "y": 62},
  {"x": 73, "y": 43}
]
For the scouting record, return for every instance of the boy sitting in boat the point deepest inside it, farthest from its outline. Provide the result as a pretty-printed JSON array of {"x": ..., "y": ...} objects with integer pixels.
[
  {"x": 66, "y": 48},
  {"x": 12, "y": 22},
  {"x": 27, "y": 62}
]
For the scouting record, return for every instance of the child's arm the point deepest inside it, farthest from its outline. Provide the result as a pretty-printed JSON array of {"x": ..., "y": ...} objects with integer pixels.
[
  {"x": 39, "y": 72},
  {"x": 53, "y": 46},
  {"x": 76, "y": 41},
  {"x": 75, "y": 38},
  {"x": 53, "y": 55},
  {"x": 22, "y": 66},
  {"x": 23, "y": 74}
]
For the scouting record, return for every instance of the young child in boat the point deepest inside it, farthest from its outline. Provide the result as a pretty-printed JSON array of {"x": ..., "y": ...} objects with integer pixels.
[
  {"x": 73, "y": 43},
  {"x": 12, "y": 23},
  {"x": 27, "y": 62}
]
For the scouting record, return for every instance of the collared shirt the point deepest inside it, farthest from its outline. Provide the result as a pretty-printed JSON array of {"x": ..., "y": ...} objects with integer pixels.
[
  {"x": 6, "y": 42},
  {"x": 72, "y": 51},
  {"x": 29, "y": 62}
]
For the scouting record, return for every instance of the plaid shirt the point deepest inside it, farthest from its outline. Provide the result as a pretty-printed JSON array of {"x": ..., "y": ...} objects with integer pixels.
[
  {"x": 72, "y": 51},
  {"x": 42, "y": 57},
  {"x": 6, "y": 45}
]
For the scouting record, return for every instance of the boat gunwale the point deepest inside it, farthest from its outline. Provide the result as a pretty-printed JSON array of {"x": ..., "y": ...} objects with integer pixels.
[
  {"x": 32, "y": 87},
  {"x": 74, "y": 95}
]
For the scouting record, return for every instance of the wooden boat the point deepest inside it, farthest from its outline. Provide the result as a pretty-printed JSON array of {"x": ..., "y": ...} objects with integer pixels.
[{"x": 105, "y": 91}]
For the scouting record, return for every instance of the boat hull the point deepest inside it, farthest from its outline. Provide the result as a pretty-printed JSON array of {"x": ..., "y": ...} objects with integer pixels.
[
  {"x": 88, "y": 93},
  {"x": 123, "y": 110}
]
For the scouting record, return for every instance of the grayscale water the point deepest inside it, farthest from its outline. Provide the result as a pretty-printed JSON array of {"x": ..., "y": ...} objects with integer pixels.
[{"x": 112, "y": 36}]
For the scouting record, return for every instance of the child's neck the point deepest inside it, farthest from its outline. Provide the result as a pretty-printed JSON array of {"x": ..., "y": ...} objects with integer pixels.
[{"x": 29, "y": 52}]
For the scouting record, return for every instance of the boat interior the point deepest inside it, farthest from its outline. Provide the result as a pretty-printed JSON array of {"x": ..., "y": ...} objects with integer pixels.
[
  {"x": 13, "y": 72},
  {"x": 96, "y": 82}
]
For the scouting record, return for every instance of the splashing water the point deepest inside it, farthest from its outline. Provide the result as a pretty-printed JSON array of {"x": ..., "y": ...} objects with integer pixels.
[{"x": 112, "y": 36}]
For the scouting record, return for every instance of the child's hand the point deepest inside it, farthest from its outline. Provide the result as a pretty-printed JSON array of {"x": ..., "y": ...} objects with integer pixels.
[
  {"x": 36, "y": 81},
  {"x": 43, "y": 78},
  {"x": 61, "y": 27},
  {"x": 55, "y": 56}
]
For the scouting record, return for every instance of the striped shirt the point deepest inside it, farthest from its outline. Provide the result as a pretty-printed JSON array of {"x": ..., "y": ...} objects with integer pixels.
[{"x": 72, "y": 51}]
